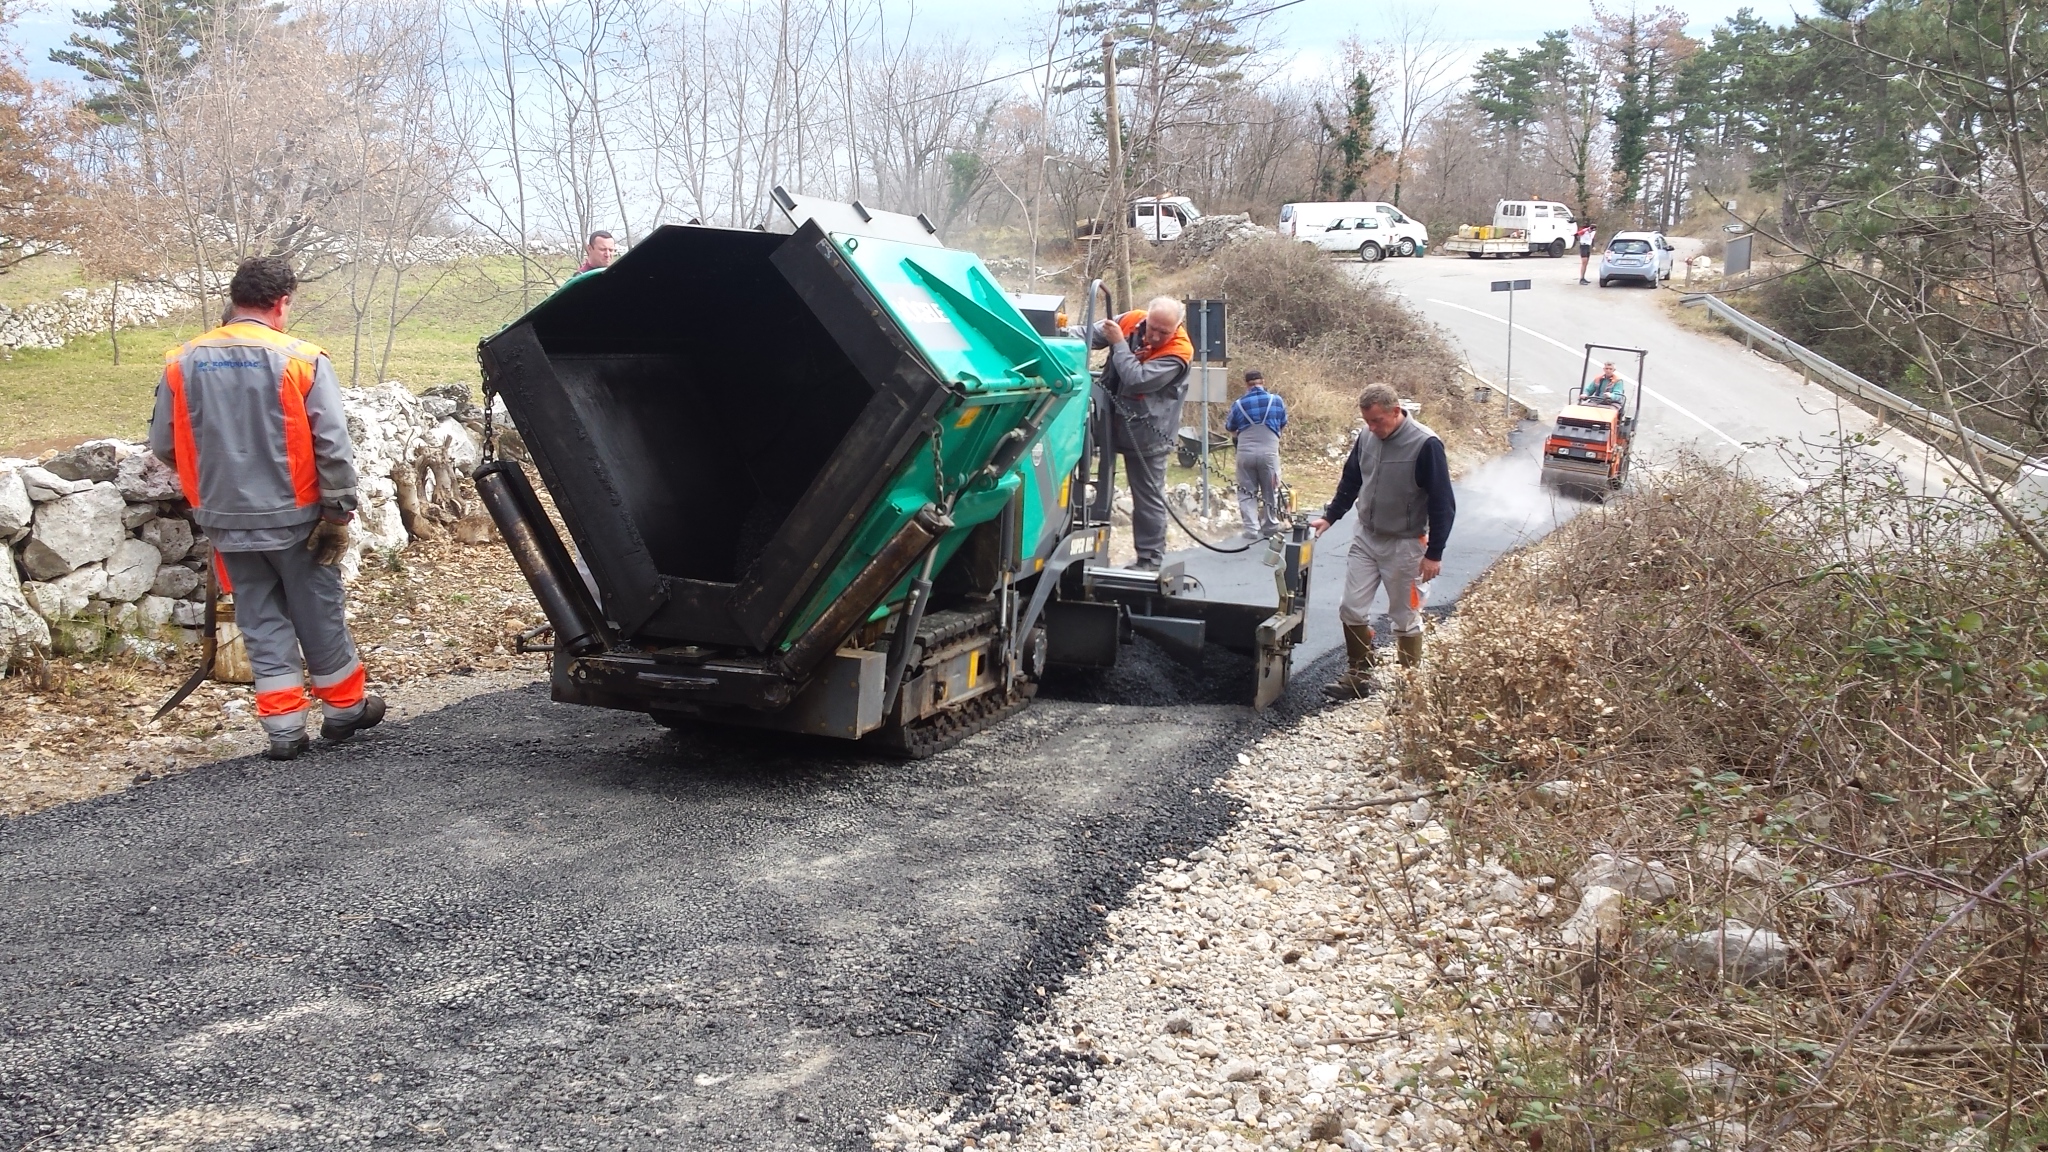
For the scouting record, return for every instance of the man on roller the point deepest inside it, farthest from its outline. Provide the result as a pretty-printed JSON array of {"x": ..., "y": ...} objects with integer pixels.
[
  {"x": 252, "y": 421},
  {"x": 1400, "y": 479},
  {"x": 1146, "y": 378}
]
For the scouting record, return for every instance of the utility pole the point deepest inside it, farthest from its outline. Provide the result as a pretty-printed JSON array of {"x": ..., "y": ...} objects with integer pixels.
[{"x": 1117, "y": 206}]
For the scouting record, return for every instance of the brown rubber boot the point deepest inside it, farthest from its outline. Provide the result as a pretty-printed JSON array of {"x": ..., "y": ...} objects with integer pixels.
[
  {"x": 1408, "y": 650},
  {"x": 1356, "y": 683}
]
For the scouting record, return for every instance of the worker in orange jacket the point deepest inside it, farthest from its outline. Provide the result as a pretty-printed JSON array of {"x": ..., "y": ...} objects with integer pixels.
[
  {"x": 252, "y": 421},
  {"x": 1146, "y": 378}
]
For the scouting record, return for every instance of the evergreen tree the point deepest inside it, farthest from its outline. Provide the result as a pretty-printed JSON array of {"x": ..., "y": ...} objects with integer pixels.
[
  {"x": 130, "y": 43},
  {"x": 1353, "y": 152}
]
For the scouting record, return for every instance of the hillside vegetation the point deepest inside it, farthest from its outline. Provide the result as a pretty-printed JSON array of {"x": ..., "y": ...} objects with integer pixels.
[
  {"x": 1812, "y": 727},
  {"x": 56, "y": 397}
]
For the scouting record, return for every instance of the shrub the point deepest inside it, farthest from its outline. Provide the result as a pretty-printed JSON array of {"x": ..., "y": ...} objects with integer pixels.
[{"x": 1826, "y": 709}]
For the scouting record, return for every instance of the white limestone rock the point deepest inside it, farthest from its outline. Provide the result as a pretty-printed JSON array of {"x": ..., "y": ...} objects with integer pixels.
[
  {"x": 94, "y": 461},
  {"x": 1598, "y": 918},
  {"x": 44, "y": 484},
  {"x": 175, "y": 582},
  {"x": 143, "y": 477},
  {"x": 1735, "y": 951},
  {"x": 1646, "y": 880},
  {"x": 15, "y": 507},
  {"x": 171, "y": 536},
  {"x": 131, "y": 570},
  {"x": 156, "y": 613},
  {"x": 74, "y": 530},
  {"x": 23, "y": 631}
]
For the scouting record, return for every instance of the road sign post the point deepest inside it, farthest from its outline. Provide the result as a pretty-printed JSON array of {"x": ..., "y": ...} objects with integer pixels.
[
  {"x": 1510, "y": 287},
  {"x": 1206, "y": 317}
]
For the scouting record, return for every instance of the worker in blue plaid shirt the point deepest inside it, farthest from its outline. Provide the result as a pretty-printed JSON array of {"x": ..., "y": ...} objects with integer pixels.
[{"x": 1256, "y": 420}]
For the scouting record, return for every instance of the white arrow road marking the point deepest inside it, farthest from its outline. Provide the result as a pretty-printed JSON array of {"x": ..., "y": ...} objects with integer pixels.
[{"x": 1650, "y": 392}]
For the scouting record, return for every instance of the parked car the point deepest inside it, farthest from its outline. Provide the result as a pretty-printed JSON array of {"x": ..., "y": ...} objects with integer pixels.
[
  {"x": 1640, "y": 256},
  {"x": 1365, "y": 235},
  {"x": 1401, "y": 235}
]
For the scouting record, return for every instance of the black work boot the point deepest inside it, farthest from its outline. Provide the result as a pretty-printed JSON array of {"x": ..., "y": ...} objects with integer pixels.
[
  {"x": 369, "y": 715},
  {"x": 286, "y": 746},
  {"x": 1408, "y": 650},
  {"x": 1356, "y": 683}
]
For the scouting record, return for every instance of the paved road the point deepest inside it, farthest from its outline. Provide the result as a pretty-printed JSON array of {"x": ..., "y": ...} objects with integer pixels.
[
  {"x": 1705, "y": 393},
  {"x": 520, "y": 924}
]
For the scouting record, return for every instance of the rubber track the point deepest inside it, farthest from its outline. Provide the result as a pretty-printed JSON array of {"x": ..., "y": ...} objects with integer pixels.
[{"x": 934, "y": 734}]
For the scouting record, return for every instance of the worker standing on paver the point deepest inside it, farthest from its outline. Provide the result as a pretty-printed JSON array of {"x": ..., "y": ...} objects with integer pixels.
[
  {"x": 599, "y": 250},
  {"x": 1146, "y": 378},
  {"x": 1256, "y": 419},
  {"x": 252, "y": 421},
  {"x": 1400, "y": 478}
]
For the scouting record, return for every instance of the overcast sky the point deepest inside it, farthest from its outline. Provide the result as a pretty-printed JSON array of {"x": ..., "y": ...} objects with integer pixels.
[{"x": 1310, "y": 28}]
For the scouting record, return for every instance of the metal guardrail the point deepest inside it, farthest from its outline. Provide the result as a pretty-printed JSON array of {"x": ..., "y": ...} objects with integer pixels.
[{"x": 1893, "y": 405}]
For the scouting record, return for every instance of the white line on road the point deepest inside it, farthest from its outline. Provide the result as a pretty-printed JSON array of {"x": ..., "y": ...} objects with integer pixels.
[{"x": 1667, "y": 401}]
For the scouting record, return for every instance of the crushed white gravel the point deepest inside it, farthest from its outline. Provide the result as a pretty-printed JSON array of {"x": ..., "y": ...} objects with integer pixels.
[{"x": 1324, "y": 976}]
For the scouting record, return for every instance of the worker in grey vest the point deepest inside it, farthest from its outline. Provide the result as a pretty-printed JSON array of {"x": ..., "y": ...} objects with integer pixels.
[
  {"x": 1256, "y": 420},
  {"x": 1400, "y": 479}
]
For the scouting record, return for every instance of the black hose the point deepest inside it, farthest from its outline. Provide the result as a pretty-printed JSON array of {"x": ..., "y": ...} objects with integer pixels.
[{"x": 1248, "y": 546}]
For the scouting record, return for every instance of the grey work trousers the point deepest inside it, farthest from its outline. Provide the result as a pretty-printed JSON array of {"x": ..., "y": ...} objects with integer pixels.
[
  {"x": 1390, "y": 562},
  {"x": 286, "y": 605},
  {"x": 1145, "y": 475},
  {"x": 1258, "y": 486}
]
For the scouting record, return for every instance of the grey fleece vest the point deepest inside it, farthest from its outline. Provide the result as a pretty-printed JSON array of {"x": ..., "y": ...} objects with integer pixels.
[{"x": 1390, "y": 502}]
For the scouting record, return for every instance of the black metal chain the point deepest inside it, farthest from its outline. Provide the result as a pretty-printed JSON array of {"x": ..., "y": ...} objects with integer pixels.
[{"x": 490, "y": 411}]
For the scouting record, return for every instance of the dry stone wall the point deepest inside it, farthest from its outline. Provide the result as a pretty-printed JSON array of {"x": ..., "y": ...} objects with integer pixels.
[
  {"x": 83, "y": 311},
  {"x": 101, "y": 554}
]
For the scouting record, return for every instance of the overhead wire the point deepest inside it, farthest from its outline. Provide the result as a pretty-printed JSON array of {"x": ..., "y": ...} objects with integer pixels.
[{"x": 745, "y": 137}]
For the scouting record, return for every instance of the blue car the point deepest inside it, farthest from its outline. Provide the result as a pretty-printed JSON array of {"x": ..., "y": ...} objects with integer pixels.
[{"x": 1644, "y": 257}]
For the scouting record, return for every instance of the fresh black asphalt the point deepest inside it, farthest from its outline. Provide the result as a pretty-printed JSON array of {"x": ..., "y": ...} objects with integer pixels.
[{"x": 514, "y": 923}]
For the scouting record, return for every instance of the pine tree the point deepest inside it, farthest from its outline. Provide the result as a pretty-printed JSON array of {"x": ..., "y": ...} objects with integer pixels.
[{"x": 139, "y": 41}]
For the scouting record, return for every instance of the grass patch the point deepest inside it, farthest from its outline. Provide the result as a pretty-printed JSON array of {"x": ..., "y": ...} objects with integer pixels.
[
  {"x": 41, "y": 278},
  {"x": 52, "y": 398}
]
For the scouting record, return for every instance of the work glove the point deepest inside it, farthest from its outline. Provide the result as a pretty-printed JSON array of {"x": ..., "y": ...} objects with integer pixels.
[{"x": 328, "y": 541}]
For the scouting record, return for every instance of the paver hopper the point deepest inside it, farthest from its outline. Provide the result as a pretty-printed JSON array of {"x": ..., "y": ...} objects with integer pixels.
[{"x": 831, "y": 480}]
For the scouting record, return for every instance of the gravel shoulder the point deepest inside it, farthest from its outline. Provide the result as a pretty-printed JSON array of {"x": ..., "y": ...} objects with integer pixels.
[
  {"x": 436, "y": 623},
  {"x": 1322, "y": 976}
]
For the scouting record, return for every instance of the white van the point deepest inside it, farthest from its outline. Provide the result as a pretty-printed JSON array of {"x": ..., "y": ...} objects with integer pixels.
[
  {"x": 1405, "y": 236},
  {"x": 1158, "y": 218}
]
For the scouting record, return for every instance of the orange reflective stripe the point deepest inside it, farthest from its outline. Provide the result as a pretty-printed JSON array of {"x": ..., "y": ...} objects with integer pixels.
[
  {"x": 282, "y": 701},
  {"x": 220, "y": 575},
  {"x": 346, "y": 694},
  {"x": 298, "y": 433},
  {"x": 182, "y": 443}
]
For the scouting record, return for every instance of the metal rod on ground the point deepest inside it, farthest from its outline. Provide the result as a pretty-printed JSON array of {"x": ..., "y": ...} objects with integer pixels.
[{"x": 1118, "y": 238}]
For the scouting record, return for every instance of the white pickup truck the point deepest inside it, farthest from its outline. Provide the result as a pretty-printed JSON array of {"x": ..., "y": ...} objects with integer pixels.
[{"x": 1520, "y": 228}]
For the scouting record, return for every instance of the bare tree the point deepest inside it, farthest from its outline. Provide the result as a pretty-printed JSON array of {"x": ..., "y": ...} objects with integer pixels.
[{"x": 1422, "y": 63}]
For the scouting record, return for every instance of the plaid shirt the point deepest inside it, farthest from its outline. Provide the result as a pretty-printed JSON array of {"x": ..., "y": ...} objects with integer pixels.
[{"x": 1257, "y": 406}]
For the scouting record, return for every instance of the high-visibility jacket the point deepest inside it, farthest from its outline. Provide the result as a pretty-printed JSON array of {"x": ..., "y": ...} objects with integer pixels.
[
  {"x": 1149, "y": 386},
  {"x": 251, "y": 419}
]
